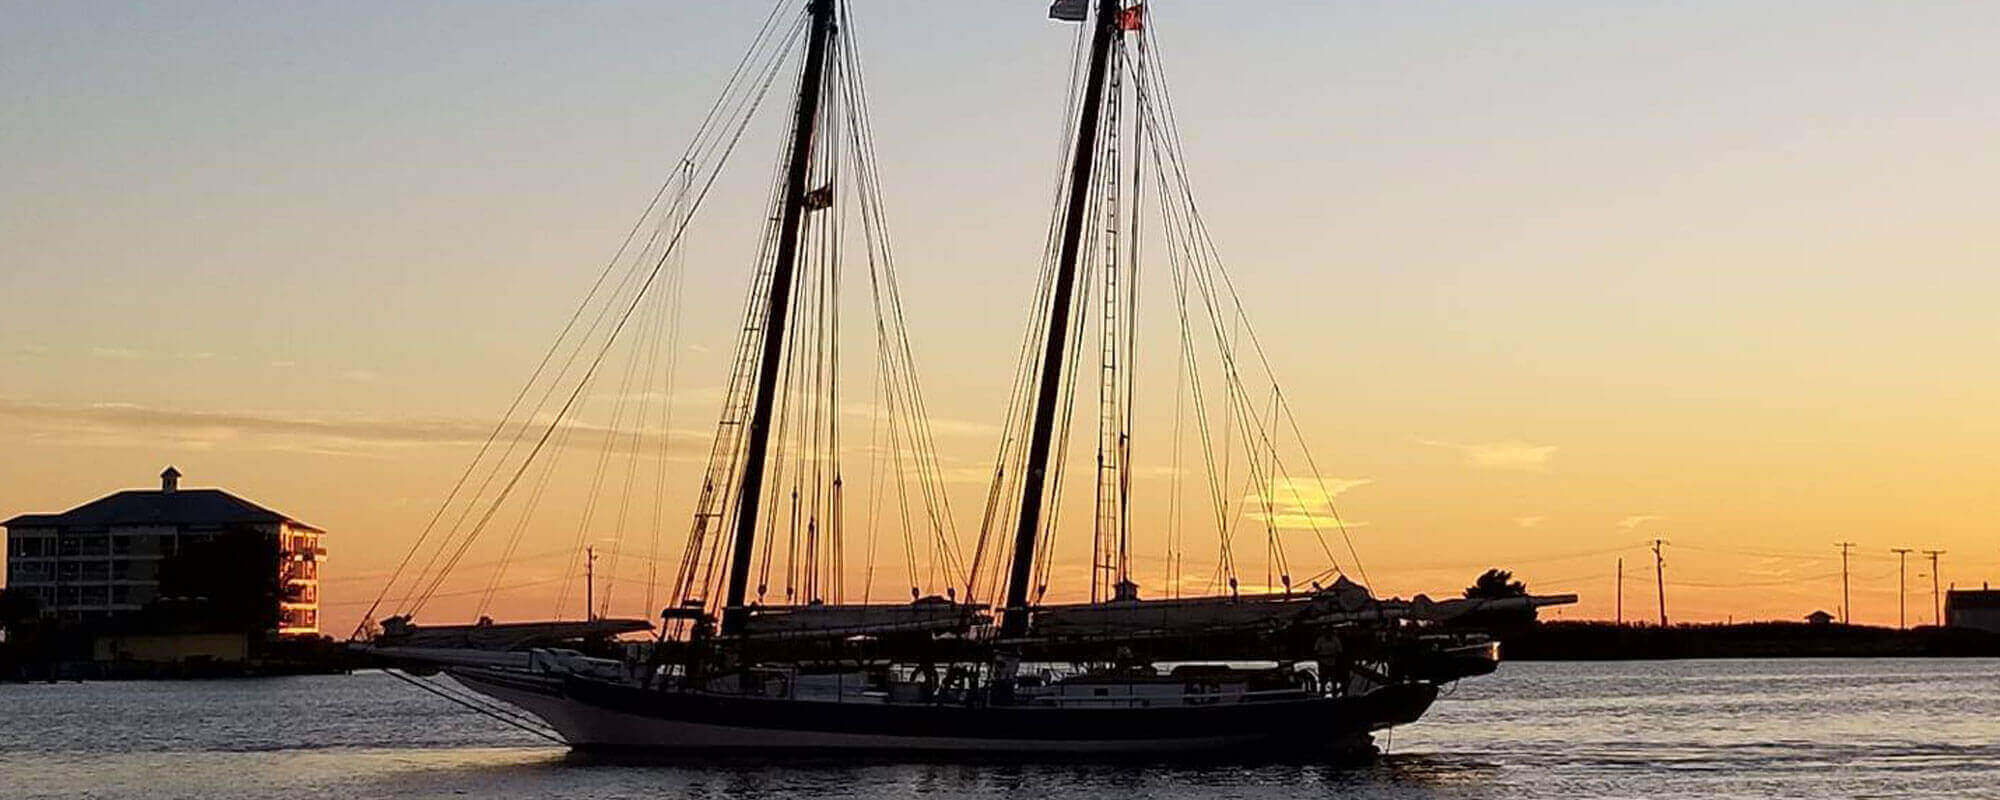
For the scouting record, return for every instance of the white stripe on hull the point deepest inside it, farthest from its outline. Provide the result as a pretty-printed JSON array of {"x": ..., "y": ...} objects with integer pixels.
[{"x": 588, "y": 726}]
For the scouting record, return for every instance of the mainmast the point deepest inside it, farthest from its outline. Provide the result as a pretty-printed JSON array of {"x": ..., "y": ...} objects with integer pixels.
[
  {"x": 1034, "y": 481},
  {"x": 750, "y": 489}
]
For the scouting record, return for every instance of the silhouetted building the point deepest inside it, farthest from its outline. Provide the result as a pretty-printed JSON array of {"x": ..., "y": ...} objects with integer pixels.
[
  {"x": 1819, "y": 618},
  {"x": 178, "y": 555},
  {"x": 1973, "y": 608}
]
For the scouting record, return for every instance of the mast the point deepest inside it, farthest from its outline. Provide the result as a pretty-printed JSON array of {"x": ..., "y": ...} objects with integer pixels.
[
  {"x": 1033, "y": 483},
  {"x": 750, "y": 489}
]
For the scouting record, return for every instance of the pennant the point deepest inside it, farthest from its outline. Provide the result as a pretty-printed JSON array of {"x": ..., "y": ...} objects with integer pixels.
[
  {"x": 1133, "y": 18},
  {"x": 1070, "y": 10}
]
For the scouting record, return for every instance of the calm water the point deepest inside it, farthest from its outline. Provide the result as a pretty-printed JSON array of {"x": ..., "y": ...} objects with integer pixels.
[{"x": 1831, "y": 728}]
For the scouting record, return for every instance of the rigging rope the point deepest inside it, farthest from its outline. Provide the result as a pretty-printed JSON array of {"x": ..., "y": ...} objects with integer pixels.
[
  {"x": 716, "y": 144},
  {"x": 507, "y": 717}
]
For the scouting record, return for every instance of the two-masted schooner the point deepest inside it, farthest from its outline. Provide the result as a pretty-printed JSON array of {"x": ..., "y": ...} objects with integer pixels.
[{"x": 989, "y": 665}]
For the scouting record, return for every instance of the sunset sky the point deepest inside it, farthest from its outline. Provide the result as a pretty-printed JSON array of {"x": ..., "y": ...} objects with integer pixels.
[{"x": 1545, "y": 280}]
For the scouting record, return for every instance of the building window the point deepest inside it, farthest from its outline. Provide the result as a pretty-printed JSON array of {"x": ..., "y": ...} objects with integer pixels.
[
  {"x": 301, "y": 618},
  {"x": 95, "y": 595}
]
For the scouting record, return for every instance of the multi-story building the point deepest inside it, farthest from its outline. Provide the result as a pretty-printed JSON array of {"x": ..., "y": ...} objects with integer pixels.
[{"x": 138, "y": 549}]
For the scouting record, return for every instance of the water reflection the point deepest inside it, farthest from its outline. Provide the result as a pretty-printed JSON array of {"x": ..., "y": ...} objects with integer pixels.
[{"x": 1660, "y": 730}]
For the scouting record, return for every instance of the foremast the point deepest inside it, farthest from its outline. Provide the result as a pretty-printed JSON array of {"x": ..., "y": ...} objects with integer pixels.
[
  {"x": 750, "y": 486},
  {"x": 1014, "y": 622}
]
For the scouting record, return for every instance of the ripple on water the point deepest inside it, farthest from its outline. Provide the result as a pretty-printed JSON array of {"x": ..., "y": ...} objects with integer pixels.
[{"x": 1658, "y": 730}]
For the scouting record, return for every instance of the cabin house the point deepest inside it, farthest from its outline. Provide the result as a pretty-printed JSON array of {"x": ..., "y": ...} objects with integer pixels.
[
  {"x": 200, "y": 555},
  {"x": 1973, "y": 608}
]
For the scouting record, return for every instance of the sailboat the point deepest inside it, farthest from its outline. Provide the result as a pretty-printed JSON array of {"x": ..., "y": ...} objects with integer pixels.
[{"x": 989, "y": 665}]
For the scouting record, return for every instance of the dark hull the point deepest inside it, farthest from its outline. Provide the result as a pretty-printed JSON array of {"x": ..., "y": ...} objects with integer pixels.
[{"x": 593, "y": 714}]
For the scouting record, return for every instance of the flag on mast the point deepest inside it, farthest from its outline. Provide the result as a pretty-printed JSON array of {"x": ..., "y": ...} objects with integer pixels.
[
  {"x": 1070, "y": 10},
  {"x": 1132, "y": 18},
  {"x": 819, "y": 198}
]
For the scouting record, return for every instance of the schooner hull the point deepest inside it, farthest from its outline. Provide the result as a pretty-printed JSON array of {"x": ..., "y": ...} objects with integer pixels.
[{"x": 597, "y": 715}]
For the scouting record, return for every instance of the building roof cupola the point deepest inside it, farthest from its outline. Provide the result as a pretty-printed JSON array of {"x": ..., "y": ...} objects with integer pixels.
[{"x": 170, "y": 480}]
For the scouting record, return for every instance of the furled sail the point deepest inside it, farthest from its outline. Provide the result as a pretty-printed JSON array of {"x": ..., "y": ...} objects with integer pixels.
[
  {"x": 1132, "y": 616},
  {"x": 931, "y": 615}
]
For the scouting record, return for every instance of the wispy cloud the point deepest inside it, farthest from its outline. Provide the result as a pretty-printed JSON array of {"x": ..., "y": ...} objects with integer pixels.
[
  {"x": 135, "y": 354},
  {"x": 1532, "y": 521},
  {"x": 118, "y": 423},
  {"x": 127, "y": 416},
  {"x": 700, "y": 394},
  {"x": 1770, "y": 568},
  {"x": 1296, "y": 504},
  {"x": 1506, "y": 455},
  {"x": 938, "y": 425},
  {"x": 119, "y": 353},
  {"x": 1637, "y": 520}
]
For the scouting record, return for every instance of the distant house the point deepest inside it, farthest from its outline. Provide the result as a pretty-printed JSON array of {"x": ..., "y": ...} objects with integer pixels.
[
  {"x": 1819, "y": 618},
  {"x": 206, "y": 552},
  {"x": 1973, "y": 608}
]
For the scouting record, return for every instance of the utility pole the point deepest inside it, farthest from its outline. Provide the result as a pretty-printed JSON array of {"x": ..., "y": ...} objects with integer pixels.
[
  {"x": 1937, "y": 603},
  {"x": 1660, "y": 579},
  {"x": 589, "y": 583},
  {"x": 1621, "y": 590},
  {"x": 1846, "y": 600},
  {"x": 1902, "y": 586}
]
